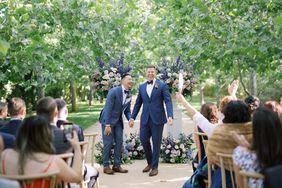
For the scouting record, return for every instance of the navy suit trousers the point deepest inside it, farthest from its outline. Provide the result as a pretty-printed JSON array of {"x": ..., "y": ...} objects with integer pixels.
[
  {"x": 116, "y": 138},
  {"x": 146, "y": 132}
]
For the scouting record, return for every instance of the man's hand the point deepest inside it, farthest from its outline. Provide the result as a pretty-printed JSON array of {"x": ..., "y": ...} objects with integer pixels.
[
  {"x": 131, "y": 123},
  {"x": 170, "y": 121},
  {"x": 107, "y": 130}
]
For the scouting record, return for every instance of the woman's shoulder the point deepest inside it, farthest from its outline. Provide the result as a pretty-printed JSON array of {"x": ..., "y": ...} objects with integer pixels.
[{"x": 243, "y": 154}]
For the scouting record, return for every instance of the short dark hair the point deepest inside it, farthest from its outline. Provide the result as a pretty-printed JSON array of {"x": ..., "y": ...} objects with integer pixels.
[
  {"x": 15, "y": 105},
  {"x": 236, "y": 112},
  {"x": 125, "y": 75},
  {"x": 252, "y": 102},
  {"x": 60, "y": 104},
  {"x": 267, "y": 140},
  {"x": 46, "y": 106},
  {"x": 150, "y": 66}
]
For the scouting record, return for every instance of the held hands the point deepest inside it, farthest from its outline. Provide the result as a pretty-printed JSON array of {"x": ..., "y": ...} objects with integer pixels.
[
  {"x": 170, "y": 121},
  {"x": 107, "y": 130},
  {"x": 131, "y": 123}
]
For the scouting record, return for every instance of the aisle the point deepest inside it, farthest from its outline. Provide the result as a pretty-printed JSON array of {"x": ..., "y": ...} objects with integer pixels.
[{"x": 170, "y": 175}]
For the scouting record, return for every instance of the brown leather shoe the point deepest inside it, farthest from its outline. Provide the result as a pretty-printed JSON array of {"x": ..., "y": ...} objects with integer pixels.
[
  {"x": 108, "y": 170},
  {"x": 153, "y": 172},
  {"x": 119, "y": 169},
  {"x": 147, "y": 168}
]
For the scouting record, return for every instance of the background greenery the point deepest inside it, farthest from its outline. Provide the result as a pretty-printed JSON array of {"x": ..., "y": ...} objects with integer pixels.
[{"x": 50, "y": 47}]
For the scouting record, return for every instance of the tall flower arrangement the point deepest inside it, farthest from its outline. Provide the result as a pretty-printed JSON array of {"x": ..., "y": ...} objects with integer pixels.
[
  {"x": 107, "y": 76},
  {"x": 169, "y": 73}
]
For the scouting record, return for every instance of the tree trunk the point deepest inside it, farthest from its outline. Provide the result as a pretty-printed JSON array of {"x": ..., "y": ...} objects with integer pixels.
[
  {"x": 40, "y": 92},
  {"x": 90, "y": 98},
  {"x": 253, "y": 82},
  {"x": 73, "y": 95},
  {"x": 202, "y": 95}
]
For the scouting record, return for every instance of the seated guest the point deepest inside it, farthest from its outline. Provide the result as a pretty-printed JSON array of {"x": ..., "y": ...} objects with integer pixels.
[
  {"x": 252, "y": 102},
  {"x": 17, "y": 111},
  {"x": 63, "y": 115},
  {"x": 265, "y": 151},
  {"x": 3, "y": 113},
  {"x": 275, "y": 106},
  {"x": 209, "y": 111},
  {"x": 90, "y": 173},
  {"x": 47, "y": 107},
  {"x": 8, "y": 140},
  {"x": 34, "y": 153}
]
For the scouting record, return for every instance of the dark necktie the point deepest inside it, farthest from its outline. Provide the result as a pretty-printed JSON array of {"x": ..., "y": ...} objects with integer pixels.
[
  {"x": 126, "y": 92},
  {"x": 150, "y": 82}
]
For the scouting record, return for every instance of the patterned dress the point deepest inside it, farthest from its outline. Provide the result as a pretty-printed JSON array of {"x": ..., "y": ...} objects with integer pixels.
[{"x": 247, "y": 161}]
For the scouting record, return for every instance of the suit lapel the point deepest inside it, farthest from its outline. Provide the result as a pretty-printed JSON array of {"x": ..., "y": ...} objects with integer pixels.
[
  {"x": 119, "y": 93},
  {"x": 144, "y": 88},
  {"x": 154, "y": 88}
]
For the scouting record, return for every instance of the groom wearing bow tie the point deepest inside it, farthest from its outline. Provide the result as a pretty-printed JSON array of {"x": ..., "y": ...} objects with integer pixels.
[
  {"x": 152, "y": 95},
  {"x": 118, "y": 102}
]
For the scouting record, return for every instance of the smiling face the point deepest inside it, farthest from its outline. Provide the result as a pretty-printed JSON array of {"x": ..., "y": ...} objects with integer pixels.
[
  {"x": 150, "y": 73},
  {"x": 127, "y": 82}
]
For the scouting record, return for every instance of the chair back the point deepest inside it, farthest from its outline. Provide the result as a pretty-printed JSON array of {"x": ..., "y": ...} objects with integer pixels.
[
  {"x": 91, "y": 138},
  {"x": 44, "y": 180},
  {"x": 247, "y": 175},
  {"x": 226, "y": 163},
  {"x": 200, "y": 138}
]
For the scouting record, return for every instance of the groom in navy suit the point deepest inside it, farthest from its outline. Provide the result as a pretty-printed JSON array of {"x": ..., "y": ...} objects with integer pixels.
[
  {"x": 118, "y": 102},
  {"x": 152, "y": 94}
]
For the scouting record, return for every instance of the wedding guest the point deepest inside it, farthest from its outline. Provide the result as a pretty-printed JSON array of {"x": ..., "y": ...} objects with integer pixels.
[
  {"x": 47, "y": 107},
  {"x": 263, "y": 151},
  {"x": 253, "y": 102},
  {"x": 62, "y": 118},
  {"x": 209, "y": 111},
  {"x": 3, "y": 113},
  {"x": 275, "y": 106},
  {"x": 34, "y": 153},
  {"x": 8, "y": 140},
  {"x": 90, "y": 173},
  {"x": 17, "y": 111}
]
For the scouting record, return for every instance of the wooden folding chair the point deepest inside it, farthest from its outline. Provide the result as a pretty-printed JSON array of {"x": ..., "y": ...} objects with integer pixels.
[
  {"x": 44, "y": 180},
  {"x": 200, "y": 136},
  {"x": 91, "y": 138},
  {"x": 67, "y": 157},
  {"x": 226, "y": 163},
  {"x": 247, "y": 175}
]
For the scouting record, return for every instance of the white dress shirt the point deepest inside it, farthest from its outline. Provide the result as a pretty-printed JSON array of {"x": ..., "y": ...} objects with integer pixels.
[
  {"x": 204, "y": 124},
  {"x": 150, "y": 87}
]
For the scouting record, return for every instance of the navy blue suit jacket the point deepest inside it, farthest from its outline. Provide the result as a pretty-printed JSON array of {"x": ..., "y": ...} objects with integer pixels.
[
  {"x": 153, "y": 106},
  {"x": 112, "y": 112},
  {"x": 12, "y": 127}
]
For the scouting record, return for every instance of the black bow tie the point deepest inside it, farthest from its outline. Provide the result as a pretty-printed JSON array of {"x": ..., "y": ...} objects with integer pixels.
[
  {"x": 126, "y": 92},
  {"x": 150, "y": 82}
]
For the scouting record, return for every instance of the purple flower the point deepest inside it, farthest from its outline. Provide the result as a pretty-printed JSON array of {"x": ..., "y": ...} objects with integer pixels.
[{"x": 100, "y": 62}]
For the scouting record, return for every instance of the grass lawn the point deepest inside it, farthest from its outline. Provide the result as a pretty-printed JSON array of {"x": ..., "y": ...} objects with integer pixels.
[
  {"x": 86, "y": 115},
  {"x": 197, "y": 103}
]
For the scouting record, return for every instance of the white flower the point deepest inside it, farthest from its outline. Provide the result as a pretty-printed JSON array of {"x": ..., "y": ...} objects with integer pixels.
[
  {"x": 177, "y": 141},
  {"x": 182, "y": 146},
  {"x": 168, "y": 146},
  {"x": 183, "y": 155},
  {"x": 176, "y": 146},
  {"x": 130, "y": 153},
  {"x": 106, "y": 77},
  {"x": 106, "y": 72},
  {"x": 139, "y": 148},
  {"x": 135, "y": 153},
  {"x": 172, "y": 160},
  {"x": 167, "y": 151},
  {"x": 178, "y": 153}
]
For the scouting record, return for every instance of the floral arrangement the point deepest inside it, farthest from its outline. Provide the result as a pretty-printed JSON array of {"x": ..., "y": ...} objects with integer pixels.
[
  {"x": 125, "y": 159},
  {"x": 177, "y": 150},
  {"x": 108, "y": 76},
  {"x": 134, "y": 147},
  {"x": 169, "y": 73}
]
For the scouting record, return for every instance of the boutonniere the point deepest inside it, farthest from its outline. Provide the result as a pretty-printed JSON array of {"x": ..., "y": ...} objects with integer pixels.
[{"x": 156, "y": 86}]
